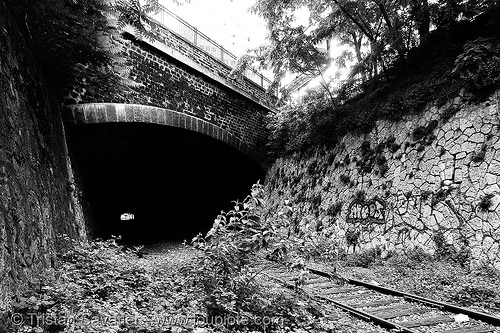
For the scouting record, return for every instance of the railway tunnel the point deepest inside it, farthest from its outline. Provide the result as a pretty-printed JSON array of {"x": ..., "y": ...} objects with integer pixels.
[{"x": 174, "y": 181}]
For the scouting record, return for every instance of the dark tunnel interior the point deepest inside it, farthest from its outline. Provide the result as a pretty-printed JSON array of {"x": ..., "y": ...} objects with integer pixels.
[{"x": 174, "y": 181}]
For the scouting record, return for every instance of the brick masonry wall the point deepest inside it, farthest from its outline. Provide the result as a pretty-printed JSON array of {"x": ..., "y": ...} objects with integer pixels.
[
  {"x": 403, "y": 183},
  {"x": 166, "y": 83},
  {"x": 214, "y": 65},
  {"x": 39, "y": 200}
]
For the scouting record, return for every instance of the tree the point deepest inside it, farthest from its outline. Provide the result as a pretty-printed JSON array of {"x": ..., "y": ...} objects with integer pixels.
[
  {"x": 76, "y": 41},
  {"x": 380, "y": 32},
  {"x": 420, "y": 12}
]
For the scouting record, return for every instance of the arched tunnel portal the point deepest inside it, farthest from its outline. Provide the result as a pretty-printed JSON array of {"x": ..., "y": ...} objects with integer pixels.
[{"x": 173, "y": 180}]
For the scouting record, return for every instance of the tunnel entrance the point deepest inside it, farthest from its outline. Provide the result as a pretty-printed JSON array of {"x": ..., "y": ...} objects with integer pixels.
[{"x": 172, "y": 181}]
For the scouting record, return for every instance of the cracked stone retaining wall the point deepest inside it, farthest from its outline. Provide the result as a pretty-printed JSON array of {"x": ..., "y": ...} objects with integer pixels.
[
  {"x": 405, "y": 182},
  {"x": 39, "y": 200}
]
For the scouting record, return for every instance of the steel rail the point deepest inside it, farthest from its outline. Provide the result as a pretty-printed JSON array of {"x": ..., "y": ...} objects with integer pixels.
[
  {"x": 490, "y": 319},
  {"x": 368, "y": 316},
  {"x": 358, "y": 313}
]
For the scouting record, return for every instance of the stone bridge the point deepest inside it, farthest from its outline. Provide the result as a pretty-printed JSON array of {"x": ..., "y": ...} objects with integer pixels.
[
  {"x": 180, "y": 147},
  {"x": 182, "y": 85}
]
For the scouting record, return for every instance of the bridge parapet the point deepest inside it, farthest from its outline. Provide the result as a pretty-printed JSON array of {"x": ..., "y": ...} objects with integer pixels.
[
  {"x": 206, "y": 53},
  {"x": 181, "y": 28}
]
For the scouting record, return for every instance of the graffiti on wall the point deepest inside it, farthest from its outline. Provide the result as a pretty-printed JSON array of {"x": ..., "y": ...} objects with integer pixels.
[
  {"x": 362, "y": 218},
  {"x": 366, "y": 213}
]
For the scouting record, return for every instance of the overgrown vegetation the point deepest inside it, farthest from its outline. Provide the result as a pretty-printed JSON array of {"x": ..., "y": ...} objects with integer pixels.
[
  {"x": 105, "y": 280},
  {"x": 440, "y": 195},
  {"x": 220, "y": 283},
  {"x": 486, "y": 202},
  {"x": 236, "y": 241},
  {"x": 334, "y": 209},
  {"x": 478, "y": 156},
  {"x": 425, "y": 134},
  {"x": 216, "y": 289},
  {"x": 445, "y": 251},
  {"x": 479, "y": 64},
  {"x": 104, "y": 287},
  {"x": 447, "y": 61},
  {"x": 374, "y": 157}
]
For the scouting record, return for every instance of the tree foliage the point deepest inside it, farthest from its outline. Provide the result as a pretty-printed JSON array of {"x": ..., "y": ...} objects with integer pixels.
[
  {"x": 379, "y": 32},
  {"x": 479, "y": 64},
  {"x": 407, "y": 53},
  {"x": 76, "y": 41}
]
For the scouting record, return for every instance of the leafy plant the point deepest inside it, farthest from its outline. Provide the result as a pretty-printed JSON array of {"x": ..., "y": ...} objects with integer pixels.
[
  {"x": 425, "y": 133},
  {"x": 383, "y": 169},
  {"x": 440, "y": 195},
  {"x": 360, "y": 195},
  {"x": 446, "y": 251},
  {"x": 393, "y": 146},
  {"x": 471, "y": 294},
  {"x": 426, "y": 195},
  {"x": 334, "y": 209},
  {"x": 443, "y": 249},
  {"x": 78, "y": 42},
  {"x": 241, "y": 236},
  {"x": 449, "y": 112},
  {"x": 311, "y": 168},
  {"x": 419, "y": 255},
  {"x": 106, "y": 280},
  {"x": 352, "y": 237},
  {"x": 300, "y": 197},
  {"x": 479, "y": 62},
  {"x": 478, "y": 156},
  {"x": 330, "y": 159},
  {"x": 316, "y": 201},
  {"x": 364, "y": 258},
  {"x": 345, "y": 179},
  {"x": 486, "y": 202},
  {"x": 228, "y": 248}
]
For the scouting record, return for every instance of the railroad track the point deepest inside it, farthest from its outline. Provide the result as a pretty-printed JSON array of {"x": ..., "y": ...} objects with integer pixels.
[{"x": 391, "y": 309}]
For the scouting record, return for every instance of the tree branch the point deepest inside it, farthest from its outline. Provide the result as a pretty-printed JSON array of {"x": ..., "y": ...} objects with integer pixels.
[{"x": 355, "y": 21}]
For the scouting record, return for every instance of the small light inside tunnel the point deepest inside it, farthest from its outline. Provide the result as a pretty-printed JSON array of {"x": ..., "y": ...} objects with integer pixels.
[{"x": 126, "y": 217}]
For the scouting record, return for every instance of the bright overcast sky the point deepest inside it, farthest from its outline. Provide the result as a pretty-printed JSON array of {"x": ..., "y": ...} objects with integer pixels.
[{"x": 228, "y": 22}]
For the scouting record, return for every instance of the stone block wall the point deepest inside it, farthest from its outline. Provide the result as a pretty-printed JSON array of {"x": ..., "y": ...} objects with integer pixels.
[
  {"x": 39, "y": 196},
  {"x": 90, "y": 113},
  {"x": 425, "y": 179}
]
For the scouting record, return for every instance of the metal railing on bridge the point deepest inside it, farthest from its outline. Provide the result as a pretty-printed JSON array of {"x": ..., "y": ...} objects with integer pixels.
[{"x": 177, "y": 25}]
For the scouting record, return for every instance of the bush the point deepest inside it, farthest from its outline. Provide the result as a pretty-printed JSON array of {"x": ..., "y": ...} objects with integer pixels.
[
  {"x": 238, "y": 239},
  {"x": 479, "y": 64},
  {"x": 448, "y": 252},
  {"x": 102, "y": 279},
  {"x": 360, "y": 195},
  {"x": 478, "y": 156},
  {"x": 417, "y": 254},
  {"x": 364, "y": 258},
  {"x": 334, "y": 209},
  {"x": 345, "y": 179},
  {"x": 229, "y": 247},
  {"x": 470, "y": 294},
  {"x": 443, "y": 249}
]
